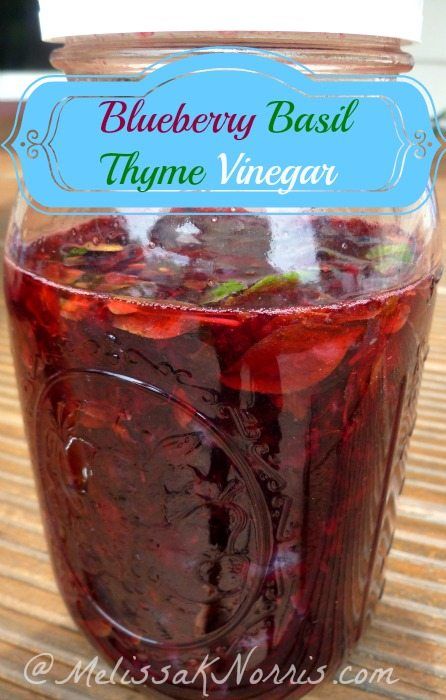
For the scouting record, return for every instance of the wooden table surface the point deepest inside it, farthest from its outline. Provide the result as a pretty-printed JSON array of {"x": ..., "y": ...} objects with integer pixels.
[{"x": 408, "y": 632}]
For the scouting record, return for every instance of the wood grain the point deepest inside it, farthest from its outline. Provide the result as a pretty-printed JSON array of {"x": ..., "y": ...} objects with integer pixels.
[{"x": 408, "y": 632}]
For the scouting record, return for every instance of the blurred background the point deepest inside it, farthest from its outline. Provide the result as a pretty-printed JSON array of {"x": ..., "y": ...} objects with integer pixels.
[
  {"x": 430, "y": 55},
  {"x": 21, "y": 48},
  {"x": 23, "y": 55}
]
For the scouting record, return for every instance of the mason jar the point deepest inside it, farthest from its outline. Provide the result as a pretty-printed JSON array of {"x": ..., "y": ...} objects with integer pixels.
[{"x": 218, "y": 404}]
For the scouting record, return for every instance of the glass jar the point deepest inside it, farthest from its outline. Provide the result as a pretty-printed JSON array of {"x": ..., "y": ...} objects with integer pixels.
[{"x": 218, "y": 408}]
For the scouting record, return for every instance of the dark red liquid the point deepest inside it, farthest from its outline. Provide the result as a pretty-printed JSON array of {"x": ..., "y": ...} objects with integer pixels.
[{"x": 218, "y": 477}]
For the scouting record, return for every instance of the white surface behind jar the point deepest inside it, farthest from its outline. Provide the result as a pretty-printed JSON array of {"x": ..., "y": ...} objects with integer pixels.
[{"x": 430, "y": 55}]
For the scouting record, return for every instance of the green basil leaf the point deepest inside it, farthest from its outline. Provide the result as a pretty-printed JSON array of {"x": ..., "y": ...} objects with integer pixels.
[
  {"x": 75, "y": 252},
  {"x": 272, "y": 284},
  {"x": 223, "y": 291},
  {"x": 399, "y": 252}
]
